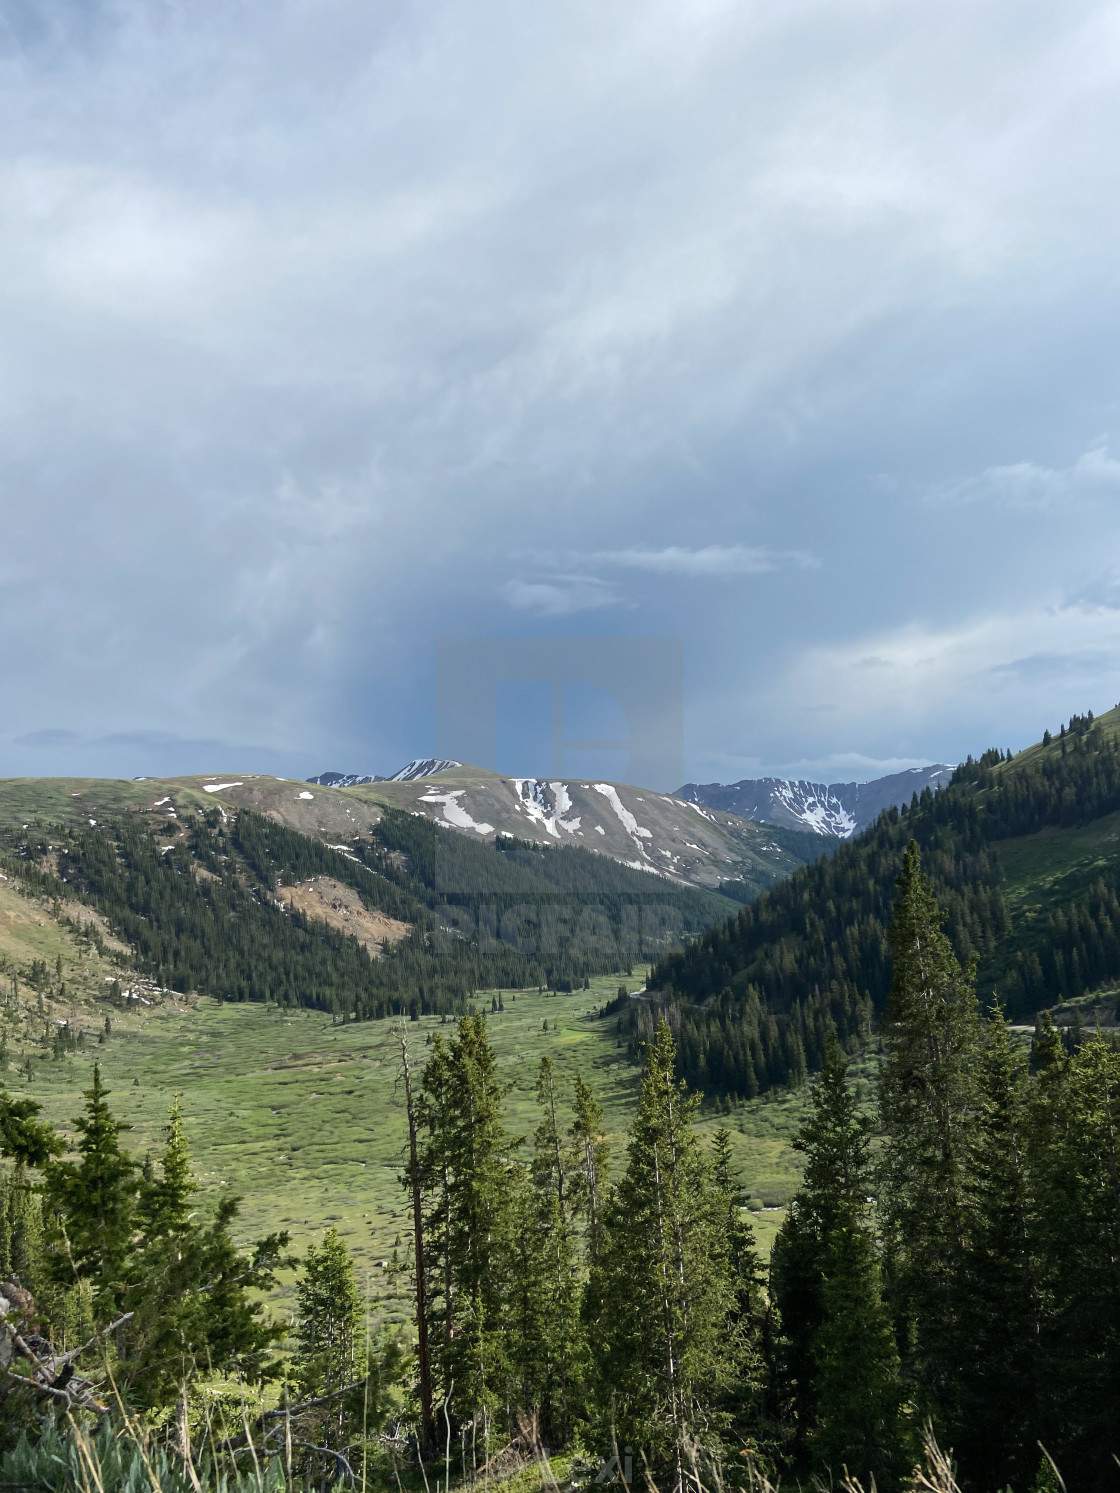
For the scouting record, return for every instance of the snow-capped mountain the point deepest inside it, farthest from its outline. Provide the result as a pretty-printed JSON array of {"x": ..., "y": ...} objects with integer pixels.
[
  {"x": 836, "y": 809},
  {"x": 343, "y": 779},
  {"x": 420, "y": 767}
]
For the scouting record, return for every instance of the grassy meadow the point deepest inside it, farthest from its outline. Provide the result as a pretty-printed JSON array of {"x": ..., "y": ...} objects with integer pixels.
[{"x": 304, "y": 1119}]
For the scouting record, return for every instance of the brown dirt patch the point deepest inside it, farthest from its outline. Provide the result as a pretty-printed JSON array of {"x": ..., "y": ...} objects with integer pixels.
[{"x": 331, "y": 902}]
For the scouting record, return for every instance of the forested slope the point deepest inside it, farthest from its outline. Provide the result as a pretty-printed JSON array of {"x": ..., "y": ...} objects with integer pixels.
[
  {"x": 197, "y": 901},
  {"x": 757, "y": 995}
]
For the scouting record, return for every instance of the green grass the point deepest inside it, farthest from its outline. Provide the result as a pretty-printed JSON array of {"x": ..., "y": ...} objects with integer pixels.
[
  {"x": 1054, "y": 865},
  {"x": 305, "y": 1120}
]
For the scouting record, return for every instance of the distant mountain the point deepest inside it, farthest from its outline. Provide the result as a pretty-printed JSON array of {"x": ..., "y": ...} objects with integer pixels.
[
  {"x": 344, "y": 779},
  {"x": 420, "y": 767},
  {"x": 834, "y": 809}
]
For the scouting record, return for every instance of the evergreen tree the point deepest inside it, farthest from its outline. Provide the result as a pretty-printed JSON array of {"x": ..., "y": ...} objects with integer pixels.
[
  {"x": 752, "y": 1422},
  {"x": 193, "y": 1294},
  {"x": 662, "y": 1287},
  {"x": 1076, "y": 1166},
  {"x": 472, "y": 1182},
  {"x": 928, "y": 1101},
  {"x": 547, "y": 1348},
  {"x": 589, "y": 1166},
  {"x": 996, "y": 1378},
  {"x": 835, "y": 1143},
  {"x": 861, "y": 1420},
  {"x": 328, "y": 1311},
  {"x": 29, "y": 1141},
  {"x": 91, "y": 1203}
]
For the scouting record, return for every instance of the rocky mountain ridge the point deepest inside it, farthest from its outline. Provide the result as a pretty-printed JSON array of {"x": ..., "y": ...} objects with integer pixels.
[{"x": 837, "y": 810}]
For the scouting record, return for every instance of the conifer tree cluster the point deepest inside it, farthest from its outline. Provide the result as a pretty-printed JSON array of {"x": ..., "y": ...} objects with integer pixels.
[
  {"x": 757, "y": 995},
  {"x": 204, "y": 912},
  {"x": 967, "y": 1273},
  {"x": 557, "y": 1305}
]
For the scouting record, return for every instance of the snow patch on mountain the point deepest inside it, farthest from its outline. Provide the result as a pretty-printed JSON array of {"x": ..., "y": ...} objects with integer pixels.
[
  {"x": 838, "y": 810},
  {"x": 533, "y": 800},
  {"x": 636, "y": 831},
  {"x": 817, "y": 808},
  {"x": 453, "y": 811}
]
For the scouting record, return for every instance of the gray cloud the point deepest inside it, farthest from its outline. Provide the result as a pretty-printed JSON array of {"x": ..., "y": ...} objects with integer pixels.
[
  {"x": 711, "y": 560},
  {"x": 315, "y": 316},
  {"x": 1025, "y": 484},
  {"x": 560, "y": 596}
]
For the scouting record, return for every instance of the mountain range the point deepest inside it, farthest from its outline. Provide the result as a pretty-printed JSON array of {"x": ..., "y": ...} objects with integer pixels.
[
  {"x": 835, "y": 810},
  {"x": 838, "y": 810},
  {"x": 419, "y": 767}
]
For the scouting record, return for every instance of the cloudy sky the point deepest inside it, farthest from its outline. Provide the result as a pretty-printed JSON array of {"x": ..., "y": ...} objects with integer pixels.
[{"x": 332, "y": 328}]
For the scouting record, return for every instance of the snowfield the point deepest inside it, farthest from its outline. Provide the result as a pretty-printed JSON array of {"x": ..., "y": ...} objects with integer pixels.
[{"x": 453, "y": 811}]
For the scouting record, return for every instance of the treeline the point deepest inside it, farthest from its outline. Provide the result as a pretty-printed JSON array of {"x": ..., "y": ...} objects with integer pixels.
[
  {"x": 961, "y": 1273},
  {"x": 811, "y": 954},
  {"x": 199, "y": 908}
]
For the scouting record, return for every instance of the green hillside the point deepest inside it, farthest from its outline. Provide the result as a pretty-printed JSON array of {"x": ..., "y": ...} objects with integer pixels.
[
  {"x": 1023, "y": 853},
  {"x": 216, "y": 903}
]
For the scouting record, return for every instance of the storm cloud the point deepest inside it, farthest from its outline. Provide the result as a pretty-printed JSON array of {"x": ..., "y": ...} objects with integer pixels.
[{"x": 331, "y": 329}]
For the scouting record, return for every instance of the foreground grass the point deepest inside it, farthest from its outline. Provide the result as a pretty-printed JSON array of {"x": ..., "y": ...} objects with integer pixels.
[{"x": 305, "y": 1119}]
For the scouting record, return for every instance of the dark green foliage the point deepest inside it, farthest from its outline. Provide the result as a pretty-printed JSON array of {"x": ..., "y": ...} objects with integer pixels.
[
  {"x": 91, "y": 1203},
  {"x": 811, "y": 954},
  {"x": 329, "y": 1336},
  {"x": 825, "y": 1278},
  {"x": 472, "y": 1184},
  {"x": 1076, "y": 1167},
  {"x": 547, "y": 1347},
  {"x": 663, "y": 1292},
  {"x": 995, "y": 1397},
  {"x": 28, "y": 1141},
  {"x": 205, "y": 915},
  {"x": 928, "y": 1106},
  {"x": 860, "y": 1417}
]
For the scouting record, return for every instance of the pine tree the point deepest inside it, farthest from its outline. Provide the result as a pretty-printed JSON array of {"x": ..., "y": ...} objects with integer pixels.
[
  {"x": 1075, "y": 1157},
  {"x": 750, "y": 1326},
  {"x": 835, "y": 1143},
  {"x": 92, "y": 1203},
  {"x": 995, "y": 1388},
  {"x": 589, "y": 1165},
  {"x": 472, "y": 1182},
  {"x": 662, "y": 1287},
  {"x": 547, "y": 1348},
  {"x": 328, "y": 1312},
  {"x": 165, "y": 1199},
  {"x": 928, "y": 1102},
  {"x": 861, "y": 1421}
]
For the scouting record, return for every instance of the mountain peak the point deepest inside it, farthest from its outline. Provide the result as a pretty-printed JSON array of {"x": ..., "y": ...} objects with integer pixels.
[
  {"x": 419, "y": 767},
  {"x": 835, "y": 809}
]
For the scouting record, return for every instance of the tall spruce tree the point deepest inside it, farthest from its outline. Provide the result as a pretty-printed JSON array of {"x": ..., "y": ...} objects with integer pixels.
[
  {"x": 589, "y": 1165},
  {"x": 861, "y": 1420},
  {"x": 663, "y": 1289},
  {"x": 996, "y": 1380},
  {"x": 472, "y": 1183},
  {"x": 1076, "y": 1168},
  {"x": 547, "y": 1341},
  {"x": 825, "y": 1279},
  {"x": 194, "y": 1296},
  {"x": 328, "y": 1310},
  {"x": 748, "y": 1403},
  {"x": 928, "y": 1102},
  {"x": 91, "y": 1203}
]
